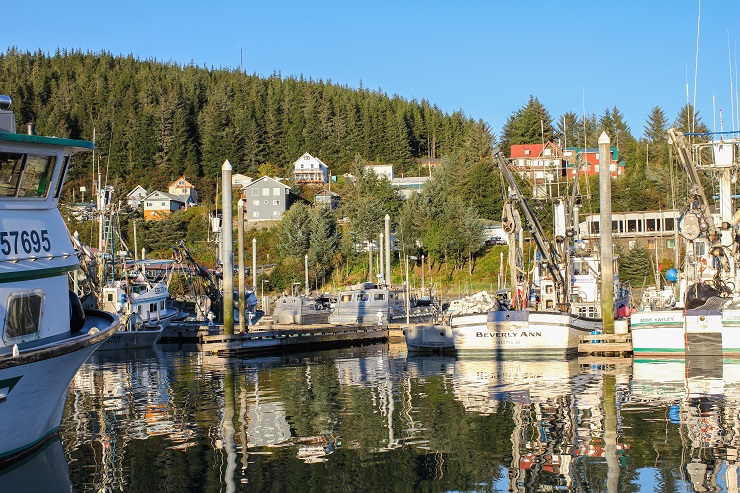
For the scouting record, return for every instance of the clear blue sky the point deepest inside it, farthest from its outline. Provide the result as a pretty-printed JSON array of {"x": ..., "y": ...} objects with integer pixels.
[{"x": 482, "y": 57}]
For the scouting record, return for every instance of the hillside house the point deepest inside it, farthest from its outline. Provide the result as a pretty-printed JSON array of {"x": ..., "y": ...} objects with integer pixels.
[
  {"x": 589, "y": 159},
  {"x": 327, "y": 198},
  {"x": 309, "y": 169},
  {"x": 136, "y": 196},
  {"x": 185, "y": 190},
  {"x": 266, "y": 199},
  {"x": 158, "y": 205},
  {"x": 240, "y": 181},
  {"x": 382, "y": 170}
]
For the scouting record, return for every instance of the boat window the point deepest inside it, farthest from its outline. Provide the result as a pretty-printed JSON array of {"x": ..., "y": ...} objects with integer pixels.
[
  {"x": 139, "y": 309},
  {"x": 23, "y": 315},
  {"x": 152, "y": 307},
  {"x": 60, "y": 181},
  {"x": 580, "y": 268},
  {"x": 379, "y": 296},
  {"x": 161, "y": 305},
  {"x": 363, "y": 297},
  {"x": 23, "y": 175},
  {"x": 346, "y": 298},
  {"x": 700, "y": 248}
]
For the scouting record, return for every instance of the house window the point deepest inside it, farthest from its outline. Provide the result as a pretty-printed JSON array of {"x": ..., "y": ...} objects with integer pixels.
[
  {"x": 275, "y": 213},
  {"x": 276, "y": 192},
  {"x": 255, "y": 214},
  {"x": 306, "y": 158},
  {"x": 149, "y": 204},
  {"x": 256, "y": 203},
  {"x": 275, "y": 202},
  {"x": 23, "y": 314},
  {"x": 164, "y": 204},
  {"x": 255, "y": 192},
  {"x": 669, "y": 224},
  {"x": 265, "y": 191},
  {"x": 670, "y": 244}
]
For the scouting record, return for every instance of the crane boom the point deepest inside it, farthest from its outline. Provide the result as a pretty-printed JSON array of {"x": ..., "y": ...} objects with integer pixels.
[
  {"x": 545, "y": 246},
  {"x": 695, "y": 187}
]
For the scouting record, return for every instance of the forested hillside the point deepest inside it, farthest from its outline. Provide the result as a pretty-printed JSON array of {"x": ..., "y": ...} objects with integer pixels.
[{"x": 154, "y": 121}]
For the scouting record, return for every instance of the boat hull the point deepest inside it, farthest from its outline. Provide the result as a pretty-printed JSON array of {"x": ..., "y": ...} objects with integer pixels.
[
  {"x": 34, "y": 385},
  {"x": 135, "y": 339},
  {"x": 428, "y": 338},
  {"x": 680, "y": 332},
  {"x": 516, "y": 331}
]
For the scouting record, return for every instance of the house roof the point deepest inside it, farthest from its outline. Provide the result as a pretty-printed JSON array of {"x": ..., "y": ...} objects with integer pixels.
[
  {"x": 265, "y": 178},
  {"x": 328, "y": 192},
  {"x": 535, "y": 150},
  {"x": 136, "y": 189},
  {"x": 319, "y": 161},
  {"x": 176, "y": 183},
  {"x": 157, "y": 193}
]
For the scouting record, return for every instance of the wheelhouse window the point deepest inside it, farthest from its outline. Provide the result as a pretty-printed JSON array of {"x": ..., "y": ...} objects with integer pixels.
[
  {"x": 23, "y": 315},
  {"x": 25, "y": 175}
]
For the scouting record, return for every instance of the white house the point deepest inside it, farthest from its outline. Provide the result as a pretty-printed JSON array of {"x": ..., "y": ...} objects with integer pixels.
[
  {"x": 136, "y": 196},
  {"x": 382, "y": 170},
  {"x": 309, "y": 169},
  {"x": 240, "y": 181}
]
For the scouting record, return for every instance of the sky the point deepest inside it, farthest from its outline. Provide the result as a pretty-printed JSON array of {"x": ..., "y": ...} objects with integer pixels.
[{"x": 484, "y": 58}]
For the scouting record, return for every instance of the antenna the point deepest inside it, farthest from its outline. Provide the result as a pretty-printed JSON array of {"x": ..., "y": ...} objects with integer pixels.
[
  {"x": 696, "y": 72},
  {"x": 732, "y": 94}
]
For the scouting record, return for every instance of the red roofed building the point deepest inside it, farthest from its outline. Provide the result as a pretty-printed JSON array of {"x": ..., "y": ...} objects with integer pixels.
[{"x": 540, "y": 164}]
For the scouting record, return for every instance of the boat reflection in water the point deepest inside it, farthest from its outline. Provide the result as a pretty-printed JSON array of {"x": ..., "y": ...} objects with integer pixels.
[
  {"x": 554, "y": 407},
  {"x": 45, "y": 470},
  {"x": 176, "y": 420},
  {"x": 701, "y": 395}
]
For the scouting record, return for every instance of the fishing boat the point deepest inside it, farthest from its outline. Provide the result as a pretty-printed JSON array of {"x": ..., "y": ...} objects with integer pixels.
[
  {"x": 46, "y": 334},
  {"x": 302, "y": 309},
  {"x": 560, "y": 304},
  {"x": 371, "y": 304},
  {"x": 144, "y": 310},
  {"x": 133, "y": 290},
  {"x": 704, "y": 319}
]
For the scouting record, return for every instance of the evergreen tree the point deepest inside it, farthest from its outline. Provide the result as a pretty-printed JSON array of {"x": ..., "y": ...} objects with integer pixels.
[{"x": 527, "y": 125}]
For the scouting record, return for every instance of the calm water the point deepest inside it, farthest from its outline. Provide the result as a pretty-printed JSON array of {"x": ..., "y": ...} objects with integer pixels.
[{"x": 373, "y": 419}]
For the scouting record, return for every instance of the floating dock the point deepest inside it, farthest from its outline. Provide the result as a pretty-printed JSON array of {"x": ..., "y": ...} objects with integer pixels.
[{"x": 275, "y": 338}]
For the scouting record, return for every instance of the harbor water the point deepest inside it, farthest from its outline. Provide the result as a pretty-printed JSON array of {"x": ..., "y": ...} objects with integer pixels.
[{"x": 376, "y": 419}]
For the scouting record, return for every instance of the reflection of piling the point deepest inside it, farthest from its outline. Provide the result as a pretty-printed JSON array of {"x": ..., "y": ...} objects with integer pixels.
[
  {"x": 610, "y": 433},
  {"x": 227, "y": 247},
  {"x": 605, "y": 230}
]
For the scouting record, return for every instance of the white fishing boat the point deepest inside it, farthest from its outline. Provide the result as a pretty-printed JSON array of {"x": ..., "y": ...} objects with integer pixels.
[
  {"x": 46, "y": 334},
  {"x": 560, "y": 304},
  {"x": 143, "y": 309},
  {"x": 705, "y": 317}
]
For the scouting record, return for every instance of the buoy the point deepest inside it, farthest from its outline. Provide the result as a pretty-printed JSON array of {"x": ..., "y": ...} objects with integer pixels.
[{"x": 672, "y": 275}]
